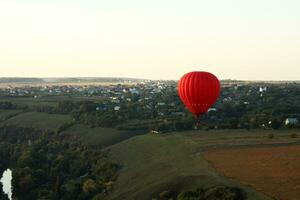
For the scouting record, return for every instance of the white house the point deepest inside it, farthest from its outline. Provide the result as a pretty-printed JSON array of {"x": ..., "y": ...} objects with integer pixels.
[
  {"x": 262, "y": 89},
  {"x": 161, "y": 103},
  {"x": 212, "y": 109},
  {"x": 98, "y": 108},
  {"x": 291, "y": 121},
  {"x": 134, "y": 91},
  {"x": 116, "y": 108}
]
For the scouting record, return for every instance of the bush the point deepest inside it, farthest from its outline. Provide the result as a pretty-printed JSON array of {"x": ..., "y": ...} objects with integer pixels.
[
  {"x": 165, "y": 194},
  {"x": 213, "y": 193}
]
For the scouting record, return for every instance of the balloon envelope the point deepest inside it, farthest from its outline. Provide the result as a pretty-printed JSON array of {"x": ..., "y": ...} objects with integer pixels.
[{"x": 198, "y": 91}]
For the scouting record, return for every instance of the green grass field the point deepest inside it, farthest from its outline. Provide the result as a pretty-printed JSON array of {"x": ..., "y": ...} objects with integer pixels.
[
  {"x": 31, "y": 102},
  {"x": 38, "y": 120},
  {"x": 99, "y": 136},
  {"x": 6, "y": 114},
  {"x": 46, "y": 100},
  {"x": 154, "y": 163}
]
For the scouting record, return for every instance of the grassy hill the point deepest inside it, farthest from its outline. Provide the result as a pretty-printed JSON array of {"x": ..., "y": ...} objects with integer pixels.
[
  {"x": 50, "y": 101},
  {"x": 154, "y": 163},
  {"x": 6, "y": 114},
  {"x": 38, "y": 120},
  {"x": 98, "y": 136}
]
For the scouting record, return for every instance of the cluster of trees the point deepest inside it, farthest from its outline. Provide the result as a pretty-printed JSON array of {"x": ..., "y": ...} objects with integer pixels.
[
  {"x": 6, "y": 105},
  {"x": 205, "y": 193},
  {"x": 85, "y": 112},
  {"x": 131, "y": 116},
  {"x": 47, "y": 165},
  {"x": 250, "y": 108}
]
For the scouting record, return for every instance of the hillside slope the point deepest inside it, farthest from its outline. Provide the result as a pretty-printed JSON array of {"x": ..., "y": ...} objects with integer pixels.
[{"x": 154, "y": 163}]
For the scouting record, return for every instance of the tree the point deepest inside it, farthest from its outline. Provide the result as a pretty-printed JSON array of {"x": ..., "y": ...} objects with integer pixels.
[
  {"x": 90, "y": 187},
  {"x": 212, "y": 193}
]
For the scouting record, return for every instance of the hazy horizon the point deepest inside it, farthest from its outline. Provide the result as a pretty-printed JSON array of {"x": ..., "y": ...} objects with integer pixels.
[
  {"x": 160, "y": 40},
  {"x": 91, "y": 77}
]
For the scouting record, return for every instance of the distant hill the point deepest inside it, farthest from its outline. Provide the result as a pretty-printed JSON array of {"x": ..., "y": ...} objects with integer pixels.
[
  {"x": 20, "y": 80},
  {"x": 92, "y": 79},
  {"x": 69, "y": 80},
  {"x": 117, "y": 80}
]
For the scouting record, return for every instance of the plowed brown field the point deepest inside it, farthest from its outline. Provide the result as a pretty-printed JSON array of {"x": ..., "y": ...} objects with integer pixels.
[{"x": 272, "y": 170}]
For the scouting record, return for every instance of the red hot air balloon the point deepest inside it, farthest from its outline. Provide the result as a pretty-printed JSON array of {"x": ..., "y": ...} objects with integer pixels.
[{"x": 198, "y": 91}]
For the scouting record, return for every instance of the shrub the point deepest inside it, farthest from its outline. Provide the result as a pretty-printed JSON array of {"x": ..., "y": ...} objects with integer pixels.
[
  {"x": 212, "y": 193},
  {"x": 165, "y": 194}
]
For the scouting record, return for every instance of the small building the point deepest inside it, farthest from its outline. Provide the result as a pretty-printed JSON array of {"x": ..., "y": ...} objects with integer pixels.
[
  {"x": 212, "y": 109},
  {"x": 177, "y": 113},
  {"x": 98, "y": 108},
  {"x": 172, "y": 104},
  {"x": 161, "y": 103},
  {"x": 262, "y": 89},
  {"x": 154, "y": 132},
  {"x": 101, "y": 108},
  {"x": 134, "y": 91},
  {"x": 116, "y": 108},
  {"x": 291, "y": 121}
]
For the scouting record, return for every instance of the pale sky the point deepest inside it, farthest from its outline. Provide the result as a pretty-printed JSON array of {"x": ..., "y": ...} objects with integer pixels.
[{"x": 156, "y": 39}]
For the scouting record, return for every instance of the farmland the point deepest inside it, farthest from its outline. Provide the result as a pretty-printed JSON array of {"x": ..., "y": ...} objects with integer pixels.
[{"x": 272, "y": 170}]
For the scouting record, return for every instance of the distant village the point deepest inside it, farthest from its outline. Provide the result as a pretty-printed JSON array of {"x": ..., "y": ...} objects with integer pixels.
[{"x": 241, "y": 104}]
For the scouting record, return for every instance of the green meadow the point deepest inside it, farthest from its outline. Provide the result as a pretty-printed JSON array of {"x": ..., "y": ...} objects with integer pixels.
[
  {"x": 38, "y": 120},
  {"x": 155, "y": 163}
]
